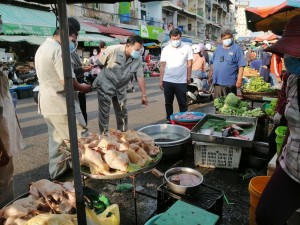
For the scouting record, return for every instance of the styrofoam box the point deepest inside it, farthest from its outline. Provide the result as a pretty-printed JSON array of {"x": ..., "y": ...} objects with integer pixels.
[{"x": 216, "y": 156}]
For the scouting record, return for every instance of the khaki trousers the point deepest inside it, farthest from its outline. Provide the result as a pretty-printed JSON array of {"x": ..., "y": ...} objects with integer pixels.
[{"x": 58, "y": 131}]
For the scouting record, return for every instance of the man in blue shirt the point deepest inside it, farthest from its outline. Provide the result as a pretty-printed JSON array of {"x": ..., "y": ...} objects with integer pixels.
[{"x": 227, "y": 68}]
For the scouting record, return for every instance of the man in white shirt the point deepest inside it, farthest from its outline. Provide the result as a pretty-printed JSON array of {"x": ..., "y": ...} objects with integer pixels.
[
  {"x": 175, "y": 72},
  {"x": 52, "y": 97}
]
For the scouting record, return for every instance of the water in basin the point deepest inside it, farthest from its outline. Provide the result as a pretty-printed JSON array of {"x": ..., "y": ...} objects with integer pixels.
[{"x": 166, "y": 137}]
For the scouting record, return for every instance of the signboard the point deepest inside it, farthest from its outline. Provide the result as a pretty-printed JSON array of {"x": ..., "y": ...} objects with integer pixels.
[
  {"x": 150, "y": 32},
  {"x": 27, "y": 29},
  {"x": 124, "y": 11}
]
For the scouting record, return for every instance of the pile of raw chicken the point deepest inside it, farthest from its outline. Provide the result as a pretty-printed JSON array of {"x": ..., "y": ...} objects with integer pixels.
[
  {"x": 114, "y": 152},
  {"x": 47, "y": 203}
]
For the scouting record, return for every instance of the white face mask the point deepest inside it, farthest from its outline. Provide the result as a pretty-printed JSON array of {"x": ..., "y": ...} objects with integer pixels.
[
  {"x": 176, "y": 43},
  {"x": 227, "y": 42},
  {"x": 95, "y": 53}
]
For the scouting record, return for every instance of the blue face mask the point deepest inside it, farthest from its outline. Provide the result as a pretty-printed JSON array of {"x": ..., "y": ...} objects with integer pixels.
[
  {"x": 292, "y": 64},
  {"x": 135, "y": 54},
  {"x": 72, "y": 46}
]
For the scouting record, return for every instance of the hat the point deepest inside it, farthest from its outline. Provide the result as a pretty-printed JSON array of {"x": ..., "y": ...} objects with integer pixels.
[
  {"x": 196, "y": 49},
  {"x": 289, "y": 43},
  {"x": 201, "y": 46},
  {"x": 208, "y": 47}
]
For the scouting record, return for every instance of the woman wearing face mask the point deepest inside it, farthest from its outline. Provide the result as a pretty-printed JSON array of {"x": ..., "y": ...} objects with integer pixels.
[
  {"x": 96, "y": 70},
  {"x": 198, "y": 66},
  {"x": 281, "y": 196}
]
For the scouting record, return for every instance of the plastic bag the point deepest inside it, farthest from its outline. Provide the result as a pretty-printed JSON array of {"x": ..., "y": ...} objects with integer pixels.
[{"x": 110, "y": 216}]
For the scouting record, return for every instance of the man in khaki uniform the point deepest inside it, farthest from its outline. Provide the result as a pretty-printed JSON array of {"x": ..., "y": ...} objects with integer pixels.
[
  {"x": 120, "y": 63},
  {"x": 52, "y": 99},
  {"x": 10, "y": 141}
]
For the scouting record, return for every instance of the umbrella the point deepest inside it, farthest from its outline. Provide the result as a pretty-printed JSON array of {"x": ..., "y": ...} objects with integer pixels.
[
  {"x": 266, "y": 37},
  {"x": 272, "y": 18},
  {"x": 63, "y": 22}
]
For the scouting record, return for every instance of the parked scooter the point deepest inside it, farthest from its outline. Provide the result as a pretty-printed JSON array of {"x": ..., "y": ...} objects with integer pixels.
[
  {"x": 194, "y": 96},
  {"x": 21, "y": 78}
]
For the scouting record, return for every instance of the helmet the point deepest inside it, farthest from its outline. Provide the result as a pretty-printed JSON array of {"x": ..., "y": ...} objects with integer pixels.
[
  {"x": 201, "y": 47},
  {"x": 196, "y": 49},
  {"x": 208, "y": 47}
]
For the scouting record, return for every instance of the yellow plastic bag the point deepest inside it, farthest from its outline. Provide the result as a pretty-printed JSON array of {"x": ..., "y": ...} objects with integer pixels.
[
  {"x": 91, "y": 217},
  {"x": 113, "y": 219}
]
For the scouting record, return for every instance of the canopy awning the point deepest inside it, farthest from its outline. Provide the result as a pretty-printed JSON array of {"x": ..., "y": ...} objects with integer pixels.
[
  {"x": 109, "y": 29},
  {"x": 19, "y": 20},
  {"x": 94, "y": 39},
  {"x": 31, "y": 39}
]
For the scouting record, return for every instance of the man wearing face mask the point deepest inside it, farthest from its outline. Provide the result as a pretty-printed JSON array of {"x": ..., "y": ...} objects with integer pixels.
[
  {"x": 281, "y": 197},
  {"x": 175, "y": 72},
  {"x": 227, "y": 68},
  {"x": 119, "y": 64},
  {"x": 52, "y": 96}
]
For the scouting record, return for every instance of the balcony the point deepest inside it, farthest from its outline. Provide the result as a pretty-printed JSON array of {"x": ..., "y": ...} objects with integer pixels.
[
  {"x": 200, "y": 12},
  {"x": 151, "y": 21}
]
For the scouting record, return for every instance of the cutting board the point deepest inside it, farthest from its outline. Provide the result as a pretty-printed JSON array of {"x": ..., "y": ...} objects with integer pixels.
[{"x": 183, "y": 213}]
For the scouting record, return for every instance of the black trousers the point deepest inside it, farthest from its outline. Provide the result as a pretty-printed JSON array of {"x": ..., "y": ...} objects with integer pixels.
[
  {"x": 220, "y": 91},
  {"x": 82, "y": 103},
  {"x": 171, "y": 90},
  {"x": 279, "y": 200}
]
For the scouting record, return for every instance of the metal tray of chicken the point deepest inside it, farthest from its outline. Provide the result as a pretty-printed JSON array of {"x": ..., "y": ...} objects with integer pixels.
[
  {"x": 85, "y": 171},
  {"x": 211, "y": 129}
]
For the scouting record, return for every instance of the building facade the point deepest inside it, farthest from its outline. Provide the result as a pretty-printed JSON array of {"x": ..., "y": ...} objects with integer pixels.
[
  {"x": 199, "y": 20},
  {"x": 241, "y": 23}
]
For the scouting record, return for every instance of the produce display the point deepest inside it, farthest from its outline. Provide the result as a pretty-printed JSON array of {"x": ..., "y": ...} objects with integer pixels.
[
  {"x": 116, "y": 152},
  {"x": 249, "y": 72},
  {"x": 54, "y": 203},
  {"x": 234, "y": 106},
  {"x": 269, "y": 108},
  {"x": 257, "y": 84}
]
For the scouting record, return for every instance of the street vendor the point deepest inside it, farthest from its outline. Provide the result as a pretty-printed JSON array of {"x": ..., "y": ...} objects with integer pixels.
[
  {"x": 119, "y": 63},
  {"x": 281, "y": 196},
  {"x": 10, "y": 140},
  {"x": 52, "y": 96},
  {"x": 227, "y": 68}
]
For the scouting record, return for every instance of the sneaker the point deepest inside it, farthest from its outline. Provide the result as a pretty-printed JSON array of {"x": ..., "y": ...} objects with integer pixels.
[{"x": 168, "y": 122}]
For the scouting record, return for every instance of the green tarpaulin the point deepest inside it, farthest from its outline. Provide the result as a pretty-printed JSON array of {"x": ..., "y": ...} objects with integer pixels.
[
  {"x": 94, "y": 39},
  {"x": 35, "y": 40}
]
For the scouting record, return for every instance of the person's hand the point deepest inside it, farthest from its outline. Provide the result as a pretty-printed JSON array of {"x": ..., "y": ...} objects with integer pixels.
[
  {"x": 144, "y": 100},
  {"x": 209, "y": 80},
  {"x": 85, "y": 88},
  {"x": 161, "y": 85},
  {"x": 87, "y": 68},
  {"x": 189, "y": 80},
  {"x": 277, "y": 118},
  {"x": 239, "y": 83}
]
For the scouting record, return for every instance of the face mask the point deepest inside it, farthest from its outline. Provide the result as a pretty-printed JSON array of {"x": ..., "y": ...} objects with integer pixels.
[
  {"x": 95, "y": 53},
  {"x": 176, "y": 43},
  {"x": 227, "y": 42},
  {"x": 135, "y": 54},
  {"x": 292, "y": 64},
  {"x": 72, "y": 46}
]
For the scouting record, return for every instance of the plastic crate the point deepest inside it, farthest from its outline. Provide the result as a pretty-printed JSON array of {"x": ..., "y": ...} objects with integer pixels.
[
  {"x": 206, "y": 197},
  {"x": 216, "y": 156}
]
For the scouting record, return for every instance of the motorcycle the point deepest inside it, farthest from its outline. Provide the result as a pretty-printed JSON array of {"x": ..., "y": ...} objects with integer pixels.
[
  {"x": 194, "y": 96},
  {"x": 18, "y": 78}
]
